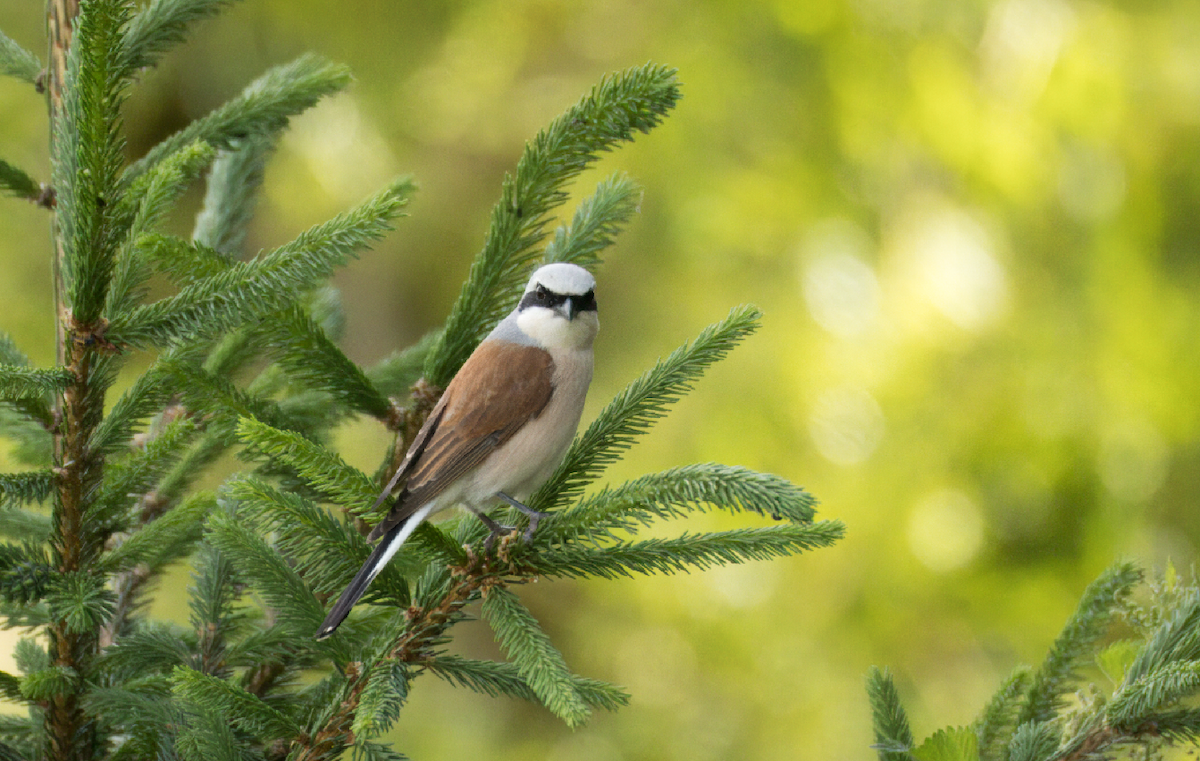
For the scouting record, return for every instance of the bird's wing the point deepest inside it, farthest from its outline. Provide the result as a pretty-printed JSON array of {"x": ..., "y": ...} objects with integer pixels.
[{"x": 500, "y": 388}]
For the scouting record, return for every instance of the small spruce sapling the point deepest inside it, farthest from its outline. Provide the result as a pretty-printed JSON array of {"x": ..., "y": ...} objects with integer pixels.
[{"x": 244, "y": 359}]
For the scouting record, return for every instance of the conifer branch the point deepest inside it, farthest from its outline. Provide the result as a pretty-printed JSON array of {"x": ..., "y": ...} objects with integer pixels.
[
  {"x": 16, "y": 61},
  {"x": 17, "y": 183},
  {"x": 148, "y": 199},
  {"x": 281, "y": 586},
  {"x": 1141, "y": 697},
  {"x": 26, "y": 390},
  {"x": 206, "y": 735},
  {"x": 639, "y": 405},
  {"x": 240, "y": 708},
  {"x": 537, "y": 660},
  {"x": 150, "y": 195},
  {"x": 424, "y": 629},
  {"x": 328, "y": 474},
  {"x": 164, "y": 539},
  {"x": 673, "y": 494},
  {"x": 385, "y": 690},
  {"x": 183, "y": 262},
  {"x": 233, "y": 184},
  {"x": 308, "y": 356},
  {"x": 129, "y": 483},
  {"x": 23, "y": 525},
  {"x": 596, "y": 223},
  {"x": 631, "y": 101},
  {"x": 1178, "y": 639},
  {"x": 161, "y": 25},
  {"x": 214, "y": 618},
  {"x": 686, "y": 552},
  {"x": 1034, "y": 741},
  {"x": 18, "y": 382},
  {"x": 316, "y": 541},
  {"x": 27, "y": 487},
  {"x": 494, "y": 678},
  {"x": 1074, "y": 644},
  {"x": 25, "y": 573},
  {"x": 1152, "y": 703},
  {"x": 249, "y": 291},
  {"x": 88, "y": 157},
  {"x": 146, "y": 710},
  {"x": 261, "y": 110},
  {"x": 996, "y": 724},
  {"x": 893, "y": 736}
]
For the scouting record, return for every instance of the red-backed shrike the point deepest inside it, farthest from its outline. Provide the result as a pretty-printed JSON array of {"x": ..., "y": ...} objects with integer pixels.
[{"x": 504, "y": 422}]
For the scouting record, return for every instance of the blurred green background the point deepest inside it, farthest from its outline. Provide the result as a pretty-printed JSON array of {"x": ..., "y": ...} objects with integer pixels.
[{"x": 974, "y": 228}]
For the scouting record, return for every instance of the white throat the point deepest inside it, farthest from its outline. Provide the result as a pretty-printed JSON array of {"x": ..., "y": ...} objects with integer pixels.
[{"x": 550, "y": 330}]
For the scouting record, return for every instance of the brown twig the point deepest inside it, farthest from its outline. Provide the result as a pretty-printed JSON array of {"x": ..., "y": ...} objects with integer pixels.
[
  {"x": 79, "y": 472},
  {"x": 425, "y": 627},
  {"x": 70, "y": 737},
  {"x": 1104, "y": 737}
]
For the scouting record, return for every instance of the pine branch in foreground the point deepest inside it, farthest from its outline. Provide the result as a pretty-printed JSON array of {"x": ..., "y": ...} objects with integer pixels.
[
  {"x": 893, "y": 737},
  {"x": 1157, "y": 680},
  {"x": 1101, "y": 601},
  {"x": 596, "y": 223},
  {"x": 231, "y": 195},
  {"x": 537, "y": 661}
]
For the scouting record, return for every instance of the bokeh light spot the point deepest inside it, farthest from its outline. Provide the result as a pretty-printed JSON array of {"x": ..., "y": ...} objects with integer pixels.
[
  {"x": 344, "y": 149},
  {"x": 743, "y": 587},
  {"x": 846, "y": 425},
  {"x": 840, "y": 288},
  {"x": 957, "y": 270},
  {"x": 1021, "y": 43},
  {"x": 945, "y": 530}
]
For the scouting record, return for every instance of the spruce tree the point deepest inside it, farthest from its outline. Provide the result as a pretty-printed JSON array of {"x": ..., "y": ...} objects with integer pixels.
[{"x": 245, "y": 361}]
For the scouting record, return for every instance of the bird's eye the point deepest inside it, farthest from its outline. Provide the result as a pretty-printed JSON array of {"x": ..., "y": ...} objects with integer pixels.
[{"x": 541, "y": 294}]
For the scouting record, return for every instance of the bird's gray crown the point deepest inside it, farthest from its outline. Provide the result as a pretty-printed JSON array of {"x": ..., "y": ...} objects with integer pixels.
[{"x": 562, "y": 279}]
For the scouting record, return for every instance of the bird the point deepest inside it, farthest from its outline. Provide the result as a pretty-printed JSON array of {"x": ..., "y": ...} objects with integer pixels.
[{"x": 502, "y": 425}]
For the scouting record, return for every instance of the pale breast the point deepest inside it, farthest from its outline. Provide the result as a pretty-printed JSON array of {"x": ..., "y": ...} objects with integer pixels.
[{"x": 526, "y": 460}]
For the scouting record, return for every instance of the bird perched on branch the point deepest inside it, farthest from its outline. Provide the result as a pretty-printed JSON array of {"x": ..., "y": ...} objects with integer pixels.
[{"x": 503, "y": 424}]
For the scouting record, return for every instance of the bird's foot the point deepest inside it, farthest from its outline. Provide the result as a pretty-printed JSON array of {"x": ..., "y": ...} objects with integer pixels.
[
  {"x": 496, "y": 529},
  {"x": 533, "y": 515}
]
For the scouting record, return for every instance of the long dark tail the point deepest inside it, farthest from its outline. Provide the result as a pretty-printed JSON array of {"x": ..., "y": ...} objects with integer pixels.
[{"x": 383, "y": 552}]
